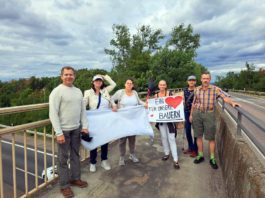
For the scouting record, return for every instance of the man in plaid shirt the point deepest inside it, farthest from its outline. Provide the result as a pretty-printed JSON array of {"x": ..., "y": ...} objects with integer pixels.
[{"x": 203, "y": 117}]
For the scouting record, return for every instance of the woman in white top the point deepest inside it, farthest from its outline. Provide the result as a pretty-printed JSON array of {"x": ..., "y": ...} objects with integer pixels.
[
  {"x": 168, "y": 131},
  {"x": 126, "y": 98},
  {"x": 98, "y": 98}
]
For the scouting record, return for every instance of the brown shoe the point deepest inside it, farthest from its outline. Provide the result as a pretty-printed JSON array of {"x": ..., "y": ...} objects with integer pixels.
[
  {"x": 188, "y": 151},
  {"x": 193, "y": 154},
  {"x": 67, "y": 192},
  {"x": 79, "y": 183}
]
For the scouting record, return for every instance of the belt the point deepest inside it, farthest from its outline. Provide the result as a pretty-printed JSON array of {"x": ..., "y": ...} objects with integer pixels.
[{"x": 205, "y": 111}]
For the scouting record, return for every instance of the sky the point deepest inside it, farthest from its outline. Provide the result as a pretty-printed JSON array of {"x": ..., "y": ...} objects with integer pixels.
[{"x": 38, "y": 37}]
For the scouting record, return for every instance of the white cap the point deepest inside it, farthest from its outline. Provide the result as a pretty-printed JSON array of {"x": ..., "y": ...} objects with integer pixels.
[
  {"x": 192, "y": 77},
  {"x": 97, "y": 77}
]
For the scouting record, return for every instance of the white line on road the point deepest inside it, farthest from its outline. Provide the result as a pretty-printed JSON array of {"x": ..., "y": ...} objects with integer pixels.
[
  {"x": 247, "y": 101},
  {"x": 20, "y": 146},
  {"x": 32, "y": 174}
]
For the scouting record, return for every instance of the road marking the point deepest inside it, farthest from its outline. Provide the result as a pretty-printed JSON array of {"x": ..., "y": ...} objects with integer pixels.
[
  {"x": 32, "y": 174},
  {"x": 247, "y": 101},
  {"x": 252, "y": 143},
  {"x": 20, "y": 146}
]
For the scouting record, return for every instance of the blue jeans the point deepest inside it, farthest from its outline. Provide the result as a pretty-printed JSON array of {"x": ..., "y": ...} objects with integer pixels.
[{"x": 191, "y": 142}]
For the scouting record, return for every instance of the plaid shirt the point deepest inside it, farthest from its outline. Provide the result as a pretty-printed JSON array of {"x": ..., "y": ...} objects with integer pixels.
[{"x": 205, "y": 100}]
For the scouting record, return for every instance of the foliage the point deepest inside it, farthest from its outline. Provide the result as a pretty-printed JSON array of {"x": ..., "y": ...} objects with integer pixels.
[
  {"x": 249, "y": 79},
  {"x": 150, "y": 54}
]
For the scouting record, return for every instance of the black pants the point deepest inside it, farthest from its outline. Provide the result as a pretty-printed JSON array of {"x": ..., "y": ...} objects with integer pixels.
[{"x": 94, "y": 154}]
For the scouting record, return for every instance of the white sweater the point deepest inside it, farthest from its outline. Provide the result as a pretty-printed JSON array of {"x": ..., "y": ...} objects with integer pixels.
[{"x": 67, "y": 109}]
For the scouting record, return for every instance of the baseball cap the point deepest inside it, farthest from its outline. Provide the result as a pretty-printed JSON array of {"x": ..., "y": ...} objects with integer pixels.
[
  {"x": 97, "y": 77},
  {"x": 192, "y": 77}
]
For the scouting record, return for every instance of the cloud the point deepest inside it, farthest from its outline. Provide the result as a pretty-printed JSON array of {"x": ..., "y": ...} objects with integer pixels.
[{"x": 38, "y": 37}]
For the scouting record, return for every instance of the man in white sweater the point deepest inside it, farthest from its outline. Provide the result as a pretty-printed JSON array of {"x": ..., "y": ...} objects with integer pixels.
[{"x": 68, "y": 117}]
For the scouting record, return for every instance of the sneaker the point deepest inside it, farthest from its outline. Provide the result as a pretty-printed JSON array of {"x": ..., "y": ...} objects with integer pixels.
[
  {"x": 133, "y": 158},
  {"x": 67, "y": 192},
  {"x": 93, "y": 168},
  {"x": 79, "y": 183},
  {"x": 105, "y": 165},
  {"x": 213, "y": 164},
  {"x": 165, "y": 157},
  {"x": 121, "y": 161},
  {"x": 198, "y": 159},
  {"x": 176, "y": 165}
]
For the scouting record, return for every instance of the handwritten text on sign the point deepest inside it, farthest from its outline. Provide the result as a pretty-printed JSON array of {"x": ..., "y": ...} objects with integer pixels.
[{"x": 166, "y": 109}]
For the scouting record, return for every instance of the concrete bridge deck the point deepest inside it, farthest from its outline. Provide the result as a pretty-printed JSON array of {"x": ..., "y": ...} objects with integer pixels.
[{"x": 152, "y": 177}]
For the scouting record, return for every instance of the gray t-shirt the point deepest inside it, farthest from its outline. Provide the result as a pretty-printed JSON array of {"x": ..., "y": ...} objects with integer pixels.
[{"x": 127, "y": 101}]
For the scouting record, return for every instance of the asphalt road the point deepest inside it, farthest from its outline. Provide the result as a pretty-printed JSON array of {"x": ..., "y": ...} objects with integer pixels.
[
  {"x": 256, "y": 107},
  {"x": 20, "y": 175}
]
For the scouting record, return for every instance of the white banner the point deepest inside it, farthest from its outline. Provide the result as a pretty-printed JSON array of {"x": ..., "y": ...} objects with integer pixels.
[
  {"x": 105, "y": 126},
  {"x": 166, "y": 109}
]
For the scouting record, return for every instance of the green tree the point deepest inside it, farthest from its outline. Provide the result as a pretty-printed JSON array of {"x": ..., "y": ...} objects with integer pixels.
[
  {"x": 183, "y": 39},
  {"x": 143, "y": 55}
]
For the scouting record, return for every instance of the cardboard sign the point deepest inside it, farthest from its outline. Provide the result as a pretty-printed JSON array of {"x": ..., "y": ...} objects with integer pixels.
[{"x": 166, "y": 109}]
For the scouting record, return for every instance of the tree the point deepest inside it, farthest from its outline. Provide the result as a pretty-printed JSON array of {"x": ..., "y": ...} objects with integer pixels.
[
  {"x": 183, "y": 39},
  {"x": 121, "y": 46},
  {"x": 131, "y": 54},
  {"x": 249, "y": 79},
  {"x": 143, "y": 55}
]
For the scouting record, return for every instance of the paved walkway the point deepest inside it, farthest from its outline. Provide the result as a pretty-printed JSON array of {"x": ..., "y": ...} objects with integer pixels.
[{"x": 149, "y": 178}]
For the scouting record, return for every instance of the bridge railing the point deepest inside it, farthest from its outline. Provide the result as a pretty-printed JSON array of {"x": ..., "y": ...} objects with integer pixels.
[
  {"x": 29, "y": 137},
  {"x": 240, "y": 127},
  {"x": 259, "y": 93}
]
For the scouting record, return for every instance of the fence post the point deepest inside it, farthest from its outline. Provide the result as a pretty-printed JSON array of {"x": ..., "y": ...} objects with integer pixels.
[
  {"x": 239, "y": 119},
  {"x": 1, "y": 171},
  {"x": 223, "y": 105}
]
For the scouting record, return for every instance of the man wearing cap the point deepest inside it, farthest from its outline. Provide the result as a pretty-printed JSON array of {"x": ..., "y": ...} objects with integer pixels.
[
  {"x": 188, "y": 99},
  {"x": 68, "y": 117},
  {"x": 203, "y": 116}
]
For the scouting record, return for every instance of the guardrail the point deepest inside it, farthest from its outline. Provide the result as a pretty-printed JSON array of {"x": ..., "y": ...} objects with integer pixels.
[
  {"x": 259, "y": 93},
  {"x": 39, "y": 131},
  {"x": 238, "y": 119}
]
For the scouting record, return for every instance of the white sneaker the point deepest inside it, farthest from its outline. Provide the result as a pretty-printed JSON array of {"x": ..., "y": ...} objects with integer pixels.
[
  {"x": 93, "y": 168},
  {"x": 105, "y": 165},
  {"x": 122, "y": 161},
  {"x": 133, "y": 158}
]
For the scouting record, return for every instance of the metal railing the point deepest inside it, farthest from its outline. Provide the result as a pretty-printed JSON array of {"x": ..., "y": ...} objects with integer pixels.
[
  {"x": 240, "y": 127},
  {"x": 38, "y": 130},
  {"x": 259, "y": 93}
]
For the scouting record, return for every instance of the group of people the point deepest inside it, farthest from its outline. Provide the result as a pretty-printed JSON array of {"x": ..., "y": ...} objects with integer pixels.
[{"x": 67, "y": 112}]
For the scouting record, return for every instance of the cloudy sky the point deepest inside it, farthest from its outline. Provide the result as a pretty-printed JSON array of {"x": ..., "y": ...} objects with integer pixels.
[{"x": 38, "y": 37}]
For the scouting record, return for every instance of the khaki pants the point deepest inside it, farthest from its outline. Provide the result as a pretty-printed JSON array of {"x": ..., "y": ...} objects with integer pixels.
[
  {"x": 204, "y": 123},
  {"x": 122, "y": 145}
]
